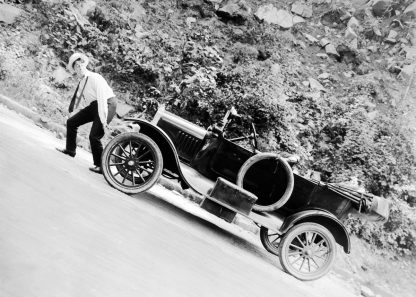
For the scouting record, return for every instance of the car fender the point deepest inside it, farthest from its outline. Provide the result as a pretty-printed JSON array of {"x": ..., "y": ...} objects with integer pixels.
[
  {"x": 324, "y": 218},
  {"x": 169, "y": 153}
]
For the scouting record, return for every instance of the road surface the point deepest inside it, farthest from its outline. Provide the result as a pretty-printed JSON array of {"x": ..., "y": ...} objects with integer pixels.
[{"x": 65, "y": 232}]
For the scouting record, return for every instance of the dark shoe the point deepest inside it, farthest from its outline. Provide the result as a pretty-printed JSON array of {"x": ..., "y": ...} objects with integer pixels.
[
  {"x": 66, "y": 152},
  {"x": 96, "y": 169}
]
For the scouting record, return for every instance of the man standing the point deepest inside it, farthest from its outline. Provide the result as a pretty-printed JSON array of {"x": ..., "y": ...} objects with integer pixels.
[{"x": 100, "y": 109}]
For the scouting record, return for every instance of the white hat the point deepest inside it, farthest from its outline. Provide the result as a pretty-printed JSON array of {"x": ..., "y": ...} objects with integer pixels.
[{"x": 74, "y": 58}]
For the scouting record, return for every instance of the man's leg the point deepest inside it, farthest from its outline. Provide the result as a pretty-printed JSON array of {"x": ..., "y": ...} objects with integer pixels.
[
  {"x": 96, "y": 133},
  {"x": 82, "y": 117}
]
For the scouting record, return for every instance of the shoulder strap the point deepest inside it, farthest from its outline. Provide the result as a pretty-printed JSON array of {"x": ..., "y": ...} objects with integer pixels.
[{"x": 82, "y": 92}]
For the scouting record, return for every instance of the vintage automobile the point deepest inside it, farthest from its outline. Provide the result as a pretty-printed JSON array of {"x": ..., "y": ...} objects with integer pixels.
[{"x": 300, "y": 219}]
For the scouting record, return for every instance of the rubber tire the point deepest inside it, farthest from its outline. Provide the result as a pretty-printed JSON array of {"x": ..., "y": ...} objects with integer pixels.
[
  {"x": 295, "y": 231},
  {"x": 156, "y": 153},
  {"x": 265, "y": 241},
  {"x": 259, "y": 157}
]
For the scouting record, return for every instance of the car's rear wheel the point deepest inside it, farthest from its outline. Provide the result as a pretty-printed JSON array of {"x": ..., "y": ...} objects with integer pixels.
[
  {"x": 270, "y": 240},
  {"x": 269, "y": 177},
  {"x": 307, "y": 251},
  {"x": 132, "y": 163}
]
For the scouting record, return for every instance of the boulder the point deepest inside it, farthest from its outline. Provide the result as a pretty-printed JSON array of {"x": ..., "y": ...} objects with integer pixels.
[
  {"x": 123, "y": 109},
  {"x": 381, "y": 8},
  {"x": 9, "y": 13},
  {"x": 297, "y": 19},
  {"x": 60, "y": 74},
  {"x": 324, "y": 42},
  {"x": 272, "y": 15},
  {"x": 310, "y": 38},
  {"x": 350, "y": 34},
  {"x": 302, "y": 9},
  {"x": 315, "y": 85},
  {"x": 284, "y": 19},
  {"x": 86, "y": 7},
  {"x": 276, "y": 69},
  {"x": 391, "y": 38},
  {"x": 353, "y": 23},
  {"x": 267, "y": 13},
  {"x": 410, "y": 52},
  {"x": 237, "y": 11},
  {"x": 322, "y": 55},
  {"x": 407, "y": 71},
  {"x": 331, "y": 50},
  {"x": 324, "y": 76}
]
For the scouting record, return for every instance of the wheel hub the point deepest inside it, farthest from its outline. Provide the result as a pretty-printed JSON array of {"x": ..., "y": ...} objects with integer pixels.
[{"x": 130, "y": 163}]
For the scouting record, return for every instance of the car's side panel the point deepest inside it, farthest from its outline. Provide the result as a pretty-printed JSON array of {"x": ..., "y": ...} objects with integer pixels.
[
  {"x": 323, "y": 218},
  {"x": 187, "y": 137}
]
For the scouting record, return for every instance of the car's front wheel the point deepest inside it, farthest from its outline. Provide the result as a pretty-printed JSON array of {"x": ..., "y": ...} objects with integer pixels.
[{"x": 132, "y": 163}]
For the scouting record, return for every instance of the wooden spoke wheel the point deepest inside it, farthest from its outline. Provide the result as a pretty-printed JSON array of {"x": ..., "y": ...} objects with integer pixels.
[
  {"x": 307, "y": 251},
  {"x": 132, "y": 162},
  {"x": 270, "y": 240}
]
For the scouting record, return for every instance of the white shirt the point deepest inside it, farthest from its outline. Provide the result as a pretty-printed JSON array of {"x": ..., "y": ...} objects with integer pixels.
[{"x": 98, "y": 89}]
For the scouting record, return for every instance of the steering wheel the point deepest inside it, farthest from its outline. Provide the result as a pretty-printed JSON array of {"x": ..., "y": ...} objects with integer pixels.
[{"x": 252, "y": 137}]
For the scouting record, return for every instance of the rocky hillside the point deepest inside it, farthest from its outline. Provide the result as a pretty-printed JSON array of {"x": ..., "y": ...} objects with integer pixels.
[{"x": 331, "y": 82}]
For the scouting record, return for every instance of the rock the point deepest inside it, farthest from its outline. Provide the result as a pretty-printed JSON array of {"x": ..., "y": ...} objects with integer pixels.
[
  {"x": 267, "y": 13},
  {"x": 410, "y": 52},
  {"x": 276, "y": 69},
  {"x": 297, "y": 19},
  {"x": 367, "y": 292},
  {"x": 310, "y": 38},
  {"x": 9, "y": 13},
  {"x": 394, "y": 68},
  {"x": 302, "y": 9},
  {"x": 324, "y": 42},
  {"x": 381, "y": 8},
  {"x": 392, "y": 37},
  {"x": 404, "y": 40},
  {"x": 324, "y": 76},
  {"x": 350, "y": 34},
  {"x": 305, "y": 83},
  {"x": 395, "y": 50},
  {"x": 372, "y": 115},
  {"x": 123, "y": 109},
  {"x": 237, "y": 11},
  {"x": 86, "y": 7},
  {"x": 189, "y": 21},
  {"x": 315, "y": 85},
  {"x": 60, "y": 74},
  {"x": 322, "y": 55},
  {"x": 331, "y": 50},
  {"x": 349, "y": 74},
  {"x": 410, "y": 11},
  {"x": 353, "y": 23},
  {"x": 316, "y": 175},
  {"x": 407, "y": 71},
  {"x": 284, "y": 19},
  {"x": 373, "y": 48}
]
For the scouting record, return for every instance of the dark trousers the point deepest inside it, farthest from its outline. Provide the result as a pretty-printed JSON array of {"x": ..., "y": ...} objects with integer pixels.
[{"x": 86, "y": 115}]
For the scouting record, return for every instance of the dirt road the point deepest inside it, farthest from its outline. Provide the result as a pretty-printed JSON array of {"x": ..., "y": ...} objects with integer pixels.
[{"x": 65, "y": 232}]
